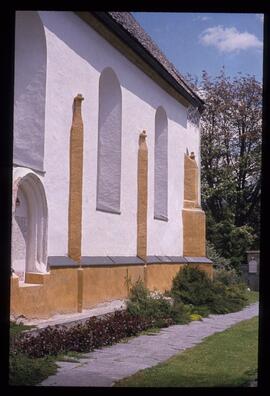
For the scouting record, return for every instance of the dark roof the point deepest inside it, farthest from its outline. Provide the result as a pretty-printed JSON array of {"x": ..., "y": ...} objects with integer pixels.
[{"x": 129, "y": 30}]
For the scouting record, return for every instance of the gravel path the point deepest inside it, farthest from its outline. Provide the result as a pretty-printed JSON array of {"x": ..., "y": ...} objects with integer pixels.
[{"x": 105, "y": 366}]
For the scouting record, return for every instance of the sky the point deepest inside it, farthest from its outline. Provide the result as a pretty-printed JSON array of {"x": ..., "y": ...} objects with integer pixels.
[{"x": 194, "y": 42}]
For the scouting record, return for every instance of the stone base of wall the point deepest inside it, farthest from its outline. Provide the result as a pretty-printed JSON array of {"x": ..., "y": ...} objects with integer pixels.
[{"x": 69, "y": 290}]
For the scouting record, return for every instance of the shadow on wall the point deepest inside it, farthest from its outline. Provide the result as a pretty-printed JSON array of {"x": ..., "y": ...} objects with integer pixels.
[
  {"x": 109, "y": 143},
  {"x": 29, "y": 90},
  {"x": 88, "y": 44}
]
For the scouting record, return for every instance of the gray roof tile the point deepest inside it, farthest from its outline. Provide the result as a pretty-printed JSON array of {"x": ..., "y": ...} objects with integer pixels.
[{"x": 130, "y": 25}]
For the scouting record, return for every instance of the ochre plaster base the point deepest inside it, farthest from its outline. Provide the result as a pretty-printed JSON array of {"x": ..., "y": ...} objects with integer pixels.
[
  {"x": 160, "y": 276},
  {"x": 193, "y": 233},
  {"x": 69, "y": 290}
]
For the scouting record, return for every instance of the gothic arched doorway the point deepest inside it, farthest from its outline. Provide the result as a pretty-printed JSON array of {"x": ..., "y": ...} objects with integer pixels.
[{"x": 29, "y": 224}]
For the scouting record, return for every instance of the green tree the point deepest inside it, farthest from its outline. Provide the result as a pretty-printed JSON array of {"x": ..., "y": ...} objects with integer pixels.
[{"x": 231, "y": 126}]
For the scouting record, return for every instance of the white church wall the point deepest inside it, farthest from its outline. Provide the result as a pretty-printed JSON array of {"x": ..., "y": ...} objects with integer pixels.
[
  {"x": 29, "y": 90},
  {"x": 76, "y": 55}
]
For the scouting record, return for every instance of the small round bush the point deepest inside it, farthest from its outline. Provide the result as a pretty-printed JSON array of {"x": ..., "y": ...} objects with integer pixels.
[
  {"x": 202, "y": 310},
  {"x": 195, "y": 317},
  {"x": 192, "y": 286},
  {"x": 227, "y": 299},
  {"x": 141, "y": 303}
]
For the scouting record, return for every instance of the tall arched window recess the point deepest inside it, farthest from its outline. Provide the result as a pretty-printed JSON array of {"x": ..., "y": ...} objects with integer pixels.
[
  {"x": 29, "y": 90},
  {"x": 161, "y": 166},
  {"x": 109, "y": 143}
]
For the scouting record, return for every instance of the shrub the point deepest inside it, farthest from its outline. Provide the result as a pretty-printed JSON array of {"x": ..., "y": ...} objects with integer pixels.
[
  {"x": 219, "y": 262},
  {"x": 195, "y": 317},
  {"x": 138, "y": 292},
  {"x": 94, "y": 333},
  {"x": 227, "y": 277},
  {"x": 227, "y": 298},
  {"x": 192, "y": 286},
  {"x": 155, "y": 306},
  {"x": 201, "y": 310},
  {"x": 181, "y": 312},
  {"x": 141, "y": 303}
]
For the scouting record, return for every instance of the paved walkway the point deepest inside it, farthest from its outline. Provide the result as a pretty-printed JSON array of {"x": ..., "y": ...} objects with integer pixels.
[{"x": 105, "y": 366}]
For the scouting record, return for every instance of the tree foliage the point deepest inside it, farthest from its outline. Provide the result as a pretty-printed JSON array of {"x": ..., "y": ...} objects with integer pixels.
[{"x": 231, "y": 127}]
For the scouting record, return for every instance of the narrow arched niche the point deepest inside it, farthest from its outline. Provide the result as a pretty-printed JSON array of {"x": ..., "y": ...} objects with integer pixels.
[
  {"x": 29, "y": 226},
  {"x": 161, "y": 165},
  {"x": 109, "y": 142},
  {"x": 29, "y": 90}
]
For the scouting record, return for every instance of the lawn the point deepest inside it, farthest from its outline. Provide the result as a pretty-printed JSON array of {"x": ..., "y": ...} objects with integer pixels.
[
  {"x": 24, "y": 370},
  {"x": 227, "y": 359},
  {"x": 253, "y": 296}
]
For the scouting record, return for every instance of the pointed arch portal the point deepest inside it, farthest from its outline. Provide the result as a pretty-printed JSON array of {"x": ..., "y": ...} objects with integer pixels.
[{"x": 29, "y": 226}]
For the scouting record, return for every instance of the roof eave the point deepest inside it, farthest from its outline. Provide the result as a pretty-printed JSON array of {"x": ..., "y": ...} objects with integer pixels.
[{"x": 106, "y": 19}]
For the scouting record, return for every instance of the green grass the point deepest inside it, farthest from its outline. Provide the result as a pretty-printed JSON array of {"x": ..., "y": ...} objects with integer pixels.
[
  {"x": 30, "y": 371},
  {"x": 253, "y": 296},
  {"x": 24, "y": 370},
  {"x": 18, "y": 328},
  {"x": 70, "y": 356},
  {"x": 227, "y": 359}
]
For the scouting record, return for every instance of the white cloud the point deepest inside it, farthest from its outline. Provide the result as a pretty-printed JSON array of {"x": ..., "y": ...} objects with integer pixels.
[
  {"x": 229, "y": 39},
  {"x": 201, "y": 18}
]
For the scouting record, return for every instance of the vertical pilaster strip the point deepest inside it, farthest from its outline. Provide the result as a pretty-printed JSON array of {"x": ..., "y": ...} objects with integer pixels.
[
  {"x": 75, "y": 181},
  {"x": 142, "y": 197},
  {"x": 80, "y": 289},
  {"x": 145, "y": 275},
  {"x": 192, "y": 215},
  {"x": 191, "y": 177}
]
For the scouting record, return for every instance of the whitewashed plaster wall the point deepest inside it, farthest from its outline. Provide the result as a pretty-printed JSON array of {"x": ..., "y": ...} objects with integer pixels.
[
  {"x": 76, "y": 55},
  {"x": 29, "y": 90}
]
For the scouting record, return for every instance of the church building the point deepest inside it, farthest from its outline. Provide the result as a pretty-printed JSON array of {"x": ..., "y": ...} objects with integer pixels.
[{"x": 106, "y": 163}]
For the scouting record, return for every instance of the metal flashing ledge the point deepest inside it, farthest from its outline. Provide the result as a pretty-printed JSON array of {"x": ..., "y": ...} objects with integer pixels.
[
  {"x": 126, "y": 260},
  {"x": 198, "y": 260},
  {"x": 61, "y": 262},
  {"x": 95, "y": 260},
  {"x": 88, "y": 261}
]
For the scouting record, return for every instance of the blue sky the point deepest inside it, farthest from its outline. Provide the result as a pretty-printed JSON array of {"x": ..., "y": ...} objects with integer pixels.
[{"x": 194, "y": 42}]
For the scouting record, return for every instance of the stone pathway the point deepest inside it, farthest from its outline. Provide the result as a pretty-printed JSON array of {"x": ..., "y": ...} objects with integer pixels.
[{"x": 103, "y": 367}]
